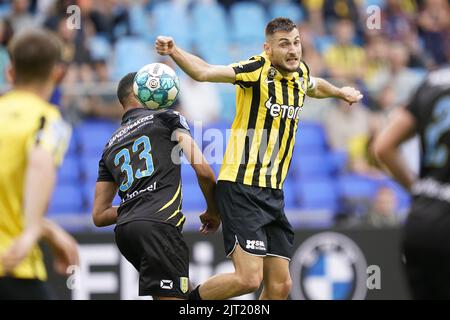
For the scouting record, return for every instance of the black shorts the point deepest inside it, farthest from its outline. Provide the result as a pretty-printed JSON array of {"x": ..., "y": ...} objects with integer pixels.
[
  {"x": 254, "y": 217},
  {"x": 24, "y": 289},
  {"x": 426, "y": 246},
  {"x": 158, "y": 252}
]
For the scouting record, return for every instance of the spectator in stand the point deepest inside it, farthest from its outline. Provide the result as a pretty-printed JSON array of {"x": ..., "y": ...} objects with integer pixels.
[
  {"x": 434, "y": 24},
  {"x": 383, "y": 209},
  {"x": 345, "y": 60}
]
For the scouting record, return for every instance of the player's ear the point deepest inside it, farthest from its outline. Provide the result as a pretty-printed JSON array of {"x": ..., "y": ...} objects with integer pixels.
[{"x": 267, "y": 48}]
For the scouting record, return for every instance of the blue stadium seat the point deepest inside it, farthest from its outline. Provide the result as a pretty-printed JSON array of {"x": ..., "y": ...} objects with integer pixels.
[
  {"x": 322, "y": 43},
  {"x": 245, "y": 50},
  {"x": 69, "y": 172},
  {"x": 217, "y": 53},
  {"x": 288, "y": 10},
  {"x": 131, "y": 54},
  {"x": 99, "y": 48},
  {"x": 139, "y": 20},
  {"x": 317, "y": 194},
  {"x": 94, "y": 134},
  {"x": 290, "y": 190},
  {"x": 210, "y": 26},
  {"x": 188, "y": 174},
  {"x": 66, "y": 199},
  {"x": 316, "y": 165},
  {"x": 357, "y": 187},
  {"x": 310, "y": 138},
  {"x": 172, "y": 19},
  {"x": 193, "y": 199},
  {"x": 72, "y": 149},
  {"x": 249, "y": 20},
  {"x": 228, "y": 101},
  {"x": 339, "y": 161},
  {"x": 89, "y": 166}
]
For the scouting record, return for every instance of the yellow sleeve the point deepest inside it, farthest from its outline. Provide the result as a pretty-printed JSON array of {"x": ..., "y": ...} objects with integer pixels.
[
  {"x": 248, "y": 72},
  {"x": 53, "y": 134}
]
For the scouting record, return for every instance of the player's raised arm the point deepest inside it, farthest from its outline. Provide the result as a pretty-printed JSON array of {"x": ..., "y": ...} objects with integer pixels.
[
  {"x": 195, "y": 67},
  {"x": 206, "y": 180},
  {"x": 320, "y": 88},
  {"x": 103, "y": 213}
]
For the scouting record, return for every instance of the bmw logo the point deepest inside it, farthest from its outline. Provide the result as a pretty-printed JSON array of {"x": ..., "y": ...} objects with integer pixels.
[{"x": 328, "y": 266}]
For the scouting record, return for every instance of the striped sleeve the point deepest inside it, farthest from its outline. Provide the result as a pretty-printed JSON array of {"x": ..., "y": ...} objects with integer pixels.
[
  {"x": 311, "y": 80},
  {"x": 248, "y": 72},
  {"x": 53, "y": 134}
]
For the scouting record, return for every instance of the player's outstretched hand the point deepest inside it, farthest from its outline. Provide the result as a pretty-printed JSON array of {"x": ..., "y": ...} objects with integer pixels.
[
  {"x": 351, "y": 95},
  {"x": 164, "y": 45},
  {"x": 210, "y": 222}
]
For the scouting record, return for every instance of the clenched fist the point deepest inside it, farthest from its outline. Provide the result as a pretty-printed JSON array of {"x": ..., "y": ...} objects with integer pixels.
[
  {"x": 351, "y": 95},
  {"x": 164, "y": 45}
]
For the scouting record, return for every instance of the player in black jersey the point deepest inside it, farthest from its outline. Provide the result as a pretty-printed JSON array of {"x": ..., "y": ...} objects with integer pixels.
[
  {"x": 426, "y": 241},
  {"x": 142, "y": 162}
]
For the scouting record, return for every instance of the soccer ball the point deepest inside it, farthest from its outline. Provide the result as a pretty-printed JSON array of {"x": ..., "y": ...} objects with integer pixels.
[{"x": 156, "y": 86}]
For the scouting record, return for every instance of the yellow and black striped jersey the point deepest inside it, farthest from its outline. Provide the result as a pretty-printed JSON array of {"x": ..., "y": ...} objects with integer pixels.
[
  {"x": 262, "y": 136},
  {"x": 25, "y": 120}
]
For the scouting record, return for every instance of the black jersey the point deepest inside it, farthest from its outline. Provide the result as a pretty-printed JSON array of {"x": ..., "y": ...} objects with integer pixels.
[
  {"x": 430, "y": 107},
  {"x": 143, "y": 159}
]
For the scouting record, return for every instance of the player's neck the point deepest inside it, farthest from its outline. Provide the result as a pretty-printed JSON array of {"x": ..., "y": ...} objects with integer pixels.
[
  {"x": 287, "y": 74},
  {"x": 44, "y": 90},
  {"x": 132, "y": 107}
]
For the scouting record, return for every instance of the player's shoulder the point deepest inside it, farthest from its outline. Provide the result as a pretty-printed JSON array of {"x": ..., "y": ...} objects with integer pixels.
[
  {"x": 171, "y": 117},
  {"x": 28, "y": 105},
  {"x": 256, "y": 61}
]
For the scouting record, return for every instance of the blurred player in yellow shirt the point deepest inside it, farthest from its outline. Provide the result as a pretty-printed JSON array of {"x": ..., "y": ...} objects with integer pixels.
[{"x": 33, "y": 140}]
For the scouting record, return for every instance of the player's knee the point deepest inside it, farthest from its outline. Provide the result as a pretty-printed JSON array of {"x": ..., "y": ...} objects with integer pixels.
[
  {"x": 279, "y": 290},
  {"x": 285, "y": 288},
  {"x": 250, "y": 283}
]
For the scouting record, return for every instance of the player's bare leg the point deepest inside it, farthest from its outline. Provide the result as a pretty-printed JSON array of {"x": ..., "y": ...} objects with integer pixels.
[
  {"x": 246, "y": 278},
  {"x": 277, "y": 280}
]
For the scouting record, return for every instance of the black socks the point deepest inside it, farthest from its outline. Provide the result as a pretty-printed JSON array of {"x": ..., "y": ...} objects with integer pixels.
[{"x": 195, "y": 294}]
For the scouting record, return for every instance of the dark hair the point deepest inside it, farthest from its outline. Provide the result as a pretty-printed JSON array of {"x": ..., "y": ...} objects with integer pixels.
[
  {"x": 279, "y": 24},
  {"x": 125, "y": 87},
  {"x": 34, "y": 53}
]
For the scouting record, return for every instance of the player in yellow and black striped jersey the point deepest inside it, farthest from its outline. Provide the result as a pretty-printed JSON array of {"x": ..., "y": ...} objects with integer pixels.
[
  {"x": 271, "y": 88},
  {"x": 33, "y": 140},
  {"x": 263, "y": 134}
]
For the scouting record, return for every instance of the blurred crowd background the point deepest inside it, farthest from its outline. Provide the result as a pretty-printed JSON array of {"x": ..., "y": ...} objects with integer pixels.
[{"x": 334, "y": 177}]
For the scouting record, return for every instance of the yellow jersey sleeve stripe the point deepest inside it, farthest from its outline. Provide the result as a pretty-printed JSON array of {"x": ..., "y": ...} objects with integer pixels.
[{"x": 248, "y": 73}]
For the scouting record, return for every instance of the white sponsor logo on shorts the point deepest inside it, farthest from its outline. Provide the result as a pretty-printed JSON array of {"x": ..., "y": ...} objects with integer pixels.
[
  {"x": 255, "y": 245},
  {"x": 166, "y": 284}
]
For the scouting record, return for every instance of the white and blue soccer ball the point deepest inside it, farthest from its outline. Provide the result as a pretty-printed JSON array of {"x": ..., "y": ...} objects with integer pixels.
[{"x": 156, "y": 86}]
